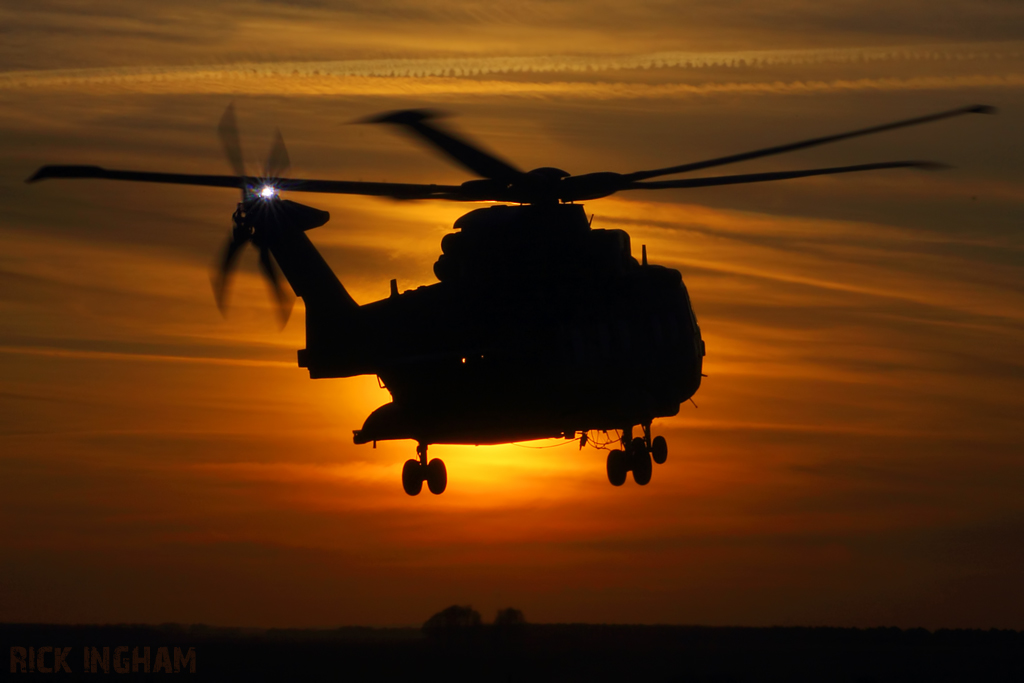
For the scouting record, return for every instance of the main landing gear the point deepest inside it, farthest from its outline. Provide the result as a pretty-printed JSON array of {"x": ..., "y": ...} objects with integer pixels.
[
  {"x": 416, "y": 472},
  {"x": 636, "y": 456}
]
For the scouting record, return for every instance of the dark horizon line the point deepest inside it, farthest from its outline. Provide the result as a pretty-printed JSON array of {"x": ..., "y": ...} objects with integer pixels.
[{"x": 247, "y": 630}]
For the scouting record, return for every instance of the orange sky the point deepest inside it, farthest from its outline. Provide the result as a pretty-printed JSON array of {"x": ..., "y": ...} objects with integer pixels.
[{"x": 856, "y": 455}]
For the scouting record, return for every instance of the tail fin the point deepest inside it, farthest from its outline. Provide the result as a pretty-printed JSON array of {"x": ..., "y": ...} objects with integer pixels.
[
  {"x": 330, "y": 309},
  {"x": 285, "y": 224}
]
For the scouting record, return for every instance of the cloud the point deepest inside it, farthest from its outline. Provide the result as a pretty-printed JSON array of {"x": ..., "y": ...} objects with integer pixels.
[{"x": 113, "y": 32}]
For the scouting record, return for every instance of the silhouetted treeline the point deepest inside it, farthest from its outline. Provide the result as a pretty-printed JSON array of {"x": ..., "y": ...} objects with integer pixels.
[
  {"x": 528, "y": 652},
  {"x": 458, "y": 618}
]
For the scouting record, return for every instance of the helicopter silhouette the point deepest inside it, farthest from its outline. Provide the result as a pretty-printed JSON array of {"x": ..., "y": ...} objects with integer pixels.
[{"x": 539, "y": 325}]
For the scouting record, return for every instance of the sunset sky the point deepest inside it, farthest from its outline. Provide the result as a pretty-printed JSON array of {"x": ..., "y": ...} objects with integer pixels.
[{"x": 857, "y": 456}]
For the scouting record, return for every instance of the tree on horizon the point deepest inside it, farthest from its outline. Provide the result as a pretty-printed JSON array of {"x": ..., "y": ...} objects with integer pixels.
[{"x": 456, "y": 617}]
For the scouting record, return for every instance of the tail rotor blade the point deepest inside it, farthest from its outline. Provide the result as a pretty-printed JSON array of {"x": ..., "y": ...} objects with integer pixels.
[
  {"x": 229, "y": 138},
  {"x": 278, "y": 162},
  {"x": 222, "y": 273},
  {"x": 285, "y": 299}
]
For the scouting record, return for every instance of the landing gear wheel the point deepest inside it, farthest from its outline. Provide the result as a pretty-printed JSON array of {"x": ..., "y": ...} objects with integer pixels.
[
  {"x": 437, "y": 476},
  {"x": 617, "y": 468},
  {"x": 642, "y": 467},
  {"x": 412, "y": 477},
  {"x": 659, "y": 450}
]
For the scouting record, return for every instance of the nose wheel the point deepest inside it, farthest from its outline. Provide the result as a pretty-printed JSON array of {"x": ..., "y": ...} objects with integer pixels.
[
  {"x": 417, "y": 471},
  {"x": 637, "y": 456}
]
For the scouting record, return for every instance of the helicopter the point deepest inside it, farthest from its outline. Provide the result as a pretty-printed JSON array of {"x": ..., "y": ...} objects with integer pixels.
[{"x": 540, "y": 326}]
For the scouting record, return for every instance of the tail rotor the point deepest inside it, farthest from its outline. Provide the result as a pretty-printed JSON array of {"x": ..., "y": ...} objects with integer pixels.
[{"x": 257, "y": 202}]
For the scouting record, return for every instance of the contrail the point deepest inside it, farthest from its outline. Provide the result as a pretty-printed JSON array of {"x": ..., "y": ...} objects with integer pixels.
[
  {"x": 221, "y": 83},
  {"x": 488, "y": 74}
]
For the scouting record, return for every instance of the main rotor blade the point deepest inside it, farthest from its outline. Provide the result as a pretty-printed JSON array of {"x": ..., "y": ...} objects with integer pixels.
[
  {"x": 780, "y": 175},
  {"x": 47, "y": 172},
  {"x": 721, "y": 161},
  {"x": 278, "y": 162},
  {"x": 469, "y": 156},
  {"x": 392, "y": 190},
  {"x": 228, "y": 133},
  {"x": 285, "y": 299}
]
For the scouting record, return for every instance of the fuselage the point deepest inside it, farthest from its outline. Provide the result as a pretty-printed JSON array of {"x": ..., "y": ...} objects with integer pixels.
[{"x": 539, "y": 327}]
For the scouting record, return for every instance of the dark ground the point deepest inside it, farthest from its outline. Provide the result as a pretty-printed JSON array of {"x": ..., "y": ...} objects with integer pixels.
[{"x": 540, "y": 652}]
